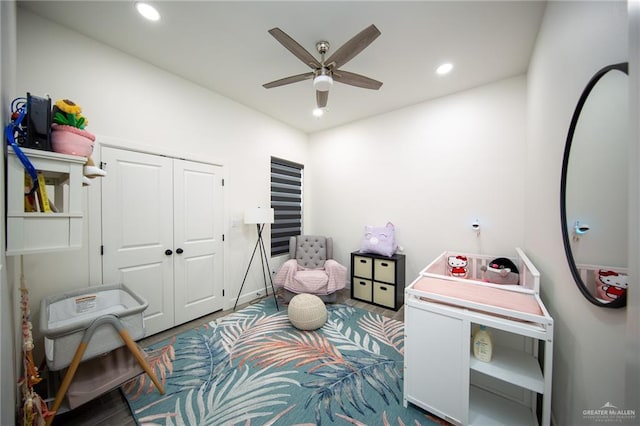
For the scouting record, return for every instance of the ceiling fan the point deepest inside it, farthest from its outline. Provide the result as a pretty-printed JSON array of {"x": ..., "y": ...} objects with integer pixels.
[{"x": 326, "y": 71}]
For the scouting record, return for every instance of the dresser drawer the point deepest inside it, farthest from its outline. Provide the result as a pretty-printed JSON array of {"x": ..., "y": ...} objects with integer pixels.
[
  {"x": 362, "y": 267},
  {"x": 362, "y": 289},
  {"x": 384, "y": 270},
  {"x": 384, "y": 294}
]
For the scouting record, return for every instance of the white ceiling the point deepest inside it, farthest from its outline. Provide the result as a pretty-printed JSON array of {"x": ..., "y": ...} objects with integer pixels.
[{"x": 225, "y": 46}]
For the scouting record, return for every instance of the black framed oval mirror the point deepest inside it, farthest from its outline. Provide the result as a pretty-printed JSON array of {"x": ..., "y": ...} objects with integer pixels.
[{"x": 593, "y": 189}]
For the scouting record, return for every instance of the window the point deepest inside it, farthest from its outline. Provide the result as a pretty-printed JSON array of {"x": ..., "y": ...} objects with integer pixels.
[{"x": 286, "y": 200}]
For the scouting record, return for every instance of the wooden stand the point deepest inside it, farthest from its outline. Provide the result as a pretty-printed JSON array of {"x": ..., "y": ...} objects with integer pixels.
[{"x": 86, "y": 338}]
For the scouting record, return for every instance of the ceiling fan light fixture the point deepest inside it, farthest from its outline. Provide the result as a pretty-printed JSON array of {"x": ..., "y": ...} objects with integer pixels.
[
  {"x": 318, "y": 112},
  {"x": 322, "y": 83},
  {"x": 323, "y": 71},
  {"x": 147, "y": 11}
]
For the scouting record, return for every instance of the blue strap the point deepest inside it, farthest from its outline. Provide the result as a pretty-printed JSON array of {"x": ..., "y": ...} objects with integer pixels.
[{"x": 9, "y": 132}]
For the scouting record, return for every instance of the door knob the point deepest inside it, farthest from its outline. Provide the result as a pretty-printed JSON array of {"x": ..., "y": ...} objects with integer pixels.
[
  {"x": 179, "y": 251},
  {"x": 168, "y": 252}
]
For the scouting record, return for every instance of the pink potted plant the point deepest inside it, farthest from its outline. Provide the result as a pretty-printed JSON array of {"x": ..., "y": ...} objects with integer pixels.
[
  {"x": 69, "y": 137},
  {"x": 67, "y": 131}
]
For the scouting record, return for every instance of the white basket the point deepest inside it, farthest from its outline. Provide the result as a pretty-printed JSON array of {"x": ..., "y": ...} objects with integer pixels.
[{"x": 64, "y": 318}]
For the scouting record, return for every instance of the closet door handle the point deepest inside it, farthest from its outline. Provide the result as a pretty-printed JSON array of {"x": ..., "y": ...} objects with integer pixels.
[
  {"x": 179, "y": 251},
  {"x": 168, "y": 252}
]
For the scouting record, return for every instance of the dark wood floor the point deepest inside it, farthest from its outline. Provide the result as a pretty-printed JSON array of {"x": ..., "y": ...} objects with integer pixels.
[{"x": 111, "y": 409}]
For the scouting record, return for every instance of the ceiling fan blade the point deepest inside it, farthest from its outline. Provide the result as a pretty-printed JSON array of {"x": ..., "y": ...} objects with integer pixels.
[
  {"x": 354, "y": 79},
  {"x": 294, "y": 47},
  {"x": 322, "y": 98},
  {"x": 357, "y": 44},
  {"x": 289, "y": 80}
]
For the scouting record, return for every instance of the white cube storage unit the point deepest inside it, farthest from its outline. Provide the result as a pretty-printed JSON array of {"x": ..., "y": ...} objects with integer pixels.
[
  {"x": 378, "y": 279},
  {"x": 36, "y": 232}
]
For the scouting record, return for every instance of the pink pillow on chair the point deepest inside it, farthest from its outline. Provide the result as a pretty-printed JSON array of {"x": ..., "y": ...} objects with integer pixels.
[{"x": 312, "y": 280}]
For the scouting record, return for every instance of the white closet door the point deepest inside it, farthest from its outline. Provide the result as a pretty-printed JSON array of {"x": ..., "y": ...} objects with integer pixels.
[
  {"x": 198, "y": 225},
  {"x": 137, "y": 229}
]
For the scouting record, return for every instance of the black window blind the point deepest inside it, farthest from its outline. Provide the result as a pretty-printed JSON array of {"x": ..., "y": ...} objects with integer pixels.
[{"x": 286, "y": 201}]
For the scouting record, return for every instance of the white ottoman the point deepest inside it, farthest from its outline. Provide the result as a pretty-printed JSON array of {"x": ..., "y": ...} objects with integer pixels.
[{"x": 307, "y": 312}]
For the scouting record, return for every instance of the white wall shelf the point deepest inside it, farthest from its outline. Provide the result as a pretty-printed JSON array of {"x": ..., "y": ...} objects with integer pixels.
[
  {"x": 512, "y": 366},
  {"x": 487, "y": 408},
  {"x": 38, "y": 232}
]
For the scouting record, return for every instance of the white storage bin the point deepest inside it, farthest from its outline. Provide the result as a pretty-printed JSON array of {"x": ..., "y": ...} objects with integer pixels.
[{"x": 64, "y": 318}]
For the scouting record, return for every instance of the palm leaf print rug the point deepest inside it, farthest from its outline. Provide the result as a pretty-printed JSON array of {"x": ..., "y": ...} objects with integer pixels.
[{"x": 253, "y": 367}]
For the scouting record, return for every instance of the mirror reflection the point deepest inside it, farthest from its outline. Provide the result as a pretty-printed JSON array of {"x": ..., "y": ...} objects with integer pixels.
[{"x": 594, "y": 192}]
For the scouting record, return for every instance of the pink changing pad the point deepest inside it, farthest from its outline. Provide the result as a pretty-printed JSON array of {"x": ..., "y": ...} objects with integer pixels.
[{"x": 515, "y": 301}]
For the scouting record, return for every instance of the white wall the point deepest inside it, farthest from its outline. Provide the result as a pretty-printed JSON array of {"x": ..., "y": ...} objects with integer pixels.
[
  {"x": 430, "y": 169},
  {"x": 8, "y": 327},
  {"x": 632, "y": 353},
  {"x": 576, "y": 40},
  {"x": 129, "y": 102}
]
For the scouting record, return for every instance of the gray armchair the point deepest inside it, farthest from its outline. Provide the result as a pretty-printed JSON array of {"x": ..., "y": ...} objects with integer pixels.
[{"x": 311, "y": 268}]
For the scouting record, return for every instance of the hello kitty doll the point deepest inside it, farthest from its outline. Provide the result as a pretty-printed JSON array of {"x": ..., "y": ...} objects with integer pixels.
[
  {"x": 611, "y": 285},
  {"x": 457, "y": 266}
]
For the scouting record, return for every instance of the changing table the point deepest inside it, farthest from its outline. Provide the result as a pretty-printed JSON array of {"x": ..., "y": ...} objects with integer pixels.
[{"x": 441, "y": 374}]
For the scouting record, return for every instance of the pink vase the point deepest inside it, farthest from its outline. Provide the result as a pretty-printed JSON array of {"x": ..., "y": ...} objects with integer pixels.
[{"x": 71, "y": 140}]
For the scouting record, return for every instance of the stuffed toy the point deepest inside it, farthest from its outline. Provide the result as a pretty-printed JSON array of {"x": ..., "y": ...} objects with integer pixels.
[
  {"x": 68, "y": 125},
  {"x": 457, "y": 266},
  {"x": 91, "y": 171},
  {"x": 611, "y": 285},
  {"x": 379, "y": 240},
  {"x": 500, "y": 271}
]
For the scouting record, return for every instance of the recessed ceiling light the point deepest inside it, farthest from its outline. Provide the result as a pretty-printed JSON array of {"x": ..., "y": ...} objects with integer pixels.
[
  {"x": 148, "y": 11},
  {"x": 444, "y": 68},
  {"x": 318, "y": 112}
]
